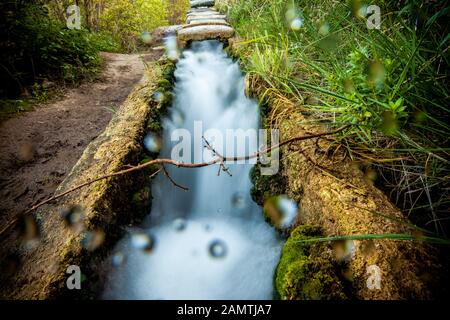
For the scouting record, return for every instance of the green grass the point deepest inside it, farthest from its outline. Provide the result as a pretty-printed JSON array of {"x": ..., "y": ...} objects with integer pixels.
[
  {"x": 390, "y": 236},
  {"x": 9, "y": 107},
  {"x": 391, "y": 84}
]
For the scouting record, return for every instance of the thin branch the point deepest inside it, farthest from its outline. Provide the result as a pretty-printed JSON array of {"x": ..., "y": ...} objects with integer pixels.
[
  {"x": 171, "y": 180},
  {"x": 218, "y": 160}
]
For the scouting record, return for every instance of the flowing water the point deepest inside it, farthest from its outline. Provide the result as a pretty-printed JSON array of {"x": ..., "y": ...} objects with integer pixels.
[{"x": 210, "y": 242}]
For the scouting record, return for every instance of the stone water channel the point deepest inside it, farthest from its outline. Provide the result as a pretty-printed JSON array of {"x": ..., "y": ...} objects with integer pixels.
[{"x": 210, "y": 242}]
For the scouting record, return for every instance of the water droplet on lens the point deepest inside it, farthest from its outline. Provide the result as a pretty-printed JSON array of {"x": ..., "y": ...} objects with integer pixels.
[
  {"x": 293, "y": 17},
  {"x": 217, "y": 249},
  {"x": 343, "y": 250},
  {"x": 238, "y": 200},
  {"x": 179, "y": 224},
  {"x": 367, "y": 247},
  {"x": 370, "y": 176},
  {"x": 290, "y": 14},
  {"x": 146, "y": 37},
  {"x": 177, "y": 118},
  {"x": 91, "y": 240},
  {"x": 172, "y": 47},
  {"x": 27, "y": 152},
  {"x": 117, "y": 259},
  {"x": 281, "y": 210},
  {"x": 296, "y": 24},
  {"x": 142, "y": 241},
  {"x": 219, "y": 210},
  {"x": 362, "y": 11},
  {"x": 73, "y": 217},
  {"x": 324, "y": 29},
  {"x": 377, "y": 73},
  {"x": 29, "y": 230},
  {"x": 158, "y": 96},
  {"x": 152, "y": 143}
]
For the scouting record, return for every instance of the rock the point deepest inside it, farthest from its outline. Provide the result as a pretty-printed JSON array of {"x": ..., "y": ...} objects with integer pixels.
[
  {"x": 204, "y": 32},
  {"x": 198, "y": 10},
  {"x": 160, "y": 33},
  {"x": 218, "y": 16},
  {"x": 206, "y": 23},
  {"x": 202, "y": 3},
  {"x": 207, "y": 12}
]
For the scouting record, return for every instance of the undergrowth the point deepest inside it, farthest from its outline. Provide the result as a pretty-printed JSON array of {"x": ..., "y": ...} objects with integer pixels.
[{"x": 391, "y": 84}]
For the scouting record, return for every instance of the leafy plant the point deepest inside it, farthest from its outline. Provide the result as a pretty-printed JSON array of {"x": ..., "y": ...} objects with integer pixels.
[{"x": 392, "y": 84}]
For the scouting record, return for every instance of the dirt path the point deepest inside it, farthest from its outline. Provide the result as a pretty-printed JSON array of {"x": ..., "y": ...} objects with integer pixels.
[{"x": 38, "y": 149}]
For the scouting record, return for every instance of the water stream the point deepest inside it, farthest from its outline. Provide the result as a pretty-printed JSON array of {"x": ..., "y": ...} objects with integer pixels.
[{"x": 210, "y": 242}]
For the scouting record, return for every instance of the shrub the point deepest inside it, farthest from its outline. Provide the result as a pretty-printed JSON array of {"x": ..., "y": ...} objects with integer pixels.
[
  {"x": 37, "y": 47},
  {"x": 391, "y": 84}
]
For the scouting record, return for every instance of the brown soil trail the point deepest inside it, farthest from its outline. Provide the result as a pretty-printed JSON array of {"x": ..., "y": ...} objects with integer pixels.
[{"x": 39, "y": 148}]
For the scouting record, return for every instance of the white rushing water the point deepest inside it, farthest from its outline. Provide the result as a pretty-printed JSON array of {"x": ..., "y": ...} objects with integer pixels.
[{"x": 210, "y": 242}]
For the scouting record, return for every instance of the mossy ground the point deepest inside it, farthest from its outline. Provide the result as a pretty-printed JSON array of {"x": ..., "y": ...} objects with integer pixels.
[{"x": 300, "y": 275}]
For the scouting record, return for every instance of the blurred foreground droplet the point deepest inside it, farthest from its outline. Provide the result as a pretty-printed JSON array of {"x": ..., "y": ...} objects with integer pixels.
[
  {"x": 343, "y": 250},
  {"x": 117, "y": 259},
  {"x": 367, "y": 247},
  {"x": 293, "y": 17},
  {"x": 177, "y": 118},
  {"x": 142, "y": 241},
  {"x": 324, "y": 29},
  {"x": 91, "y": 240},
  {"x": 152, "y": 142},
  {"x": 238, "y": 200},
  {"x": 29, "y": 231},
  {"x": 296, "y": 24},
  {"x": 146, "y": 37},
  {"x": 179, "y": 224},
  {"x": 217, "y": 249},
  {"x": 390, "y": 123},
  {"x": 281, "y": 210},
  {"x": 370, "y": 175},
  {"x": 377, "y": 73},
  {"x": 172, "y": 47},
  {"x": 26, "y": 152},
  {"x": 158, "y": 96},
  {"x": 73, "y": 217}
]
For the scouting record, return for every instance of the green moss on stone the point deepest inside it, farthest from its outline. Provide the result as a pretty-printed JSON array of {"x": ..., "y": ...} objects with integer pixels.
[
  {"x": 300, "y": 275},
  {"x": 265, "y": 187}
]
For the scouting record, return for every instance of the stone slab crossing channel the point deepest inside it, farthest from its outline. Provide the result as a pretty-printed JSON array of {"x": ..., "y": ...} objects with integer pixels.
[{"x": 204, "y": 23}]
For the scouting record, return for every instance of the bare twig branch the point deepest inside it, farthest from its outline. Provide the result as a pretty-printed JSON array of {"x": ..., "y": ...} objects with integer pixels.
[
  {"x": 171, "y": 180},
  {"x": 220, "y": 159}
]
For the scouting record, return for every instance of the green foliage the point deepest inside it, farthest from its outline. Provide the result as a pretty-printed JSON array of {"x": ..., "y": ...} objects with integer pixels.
[
  {"x": 302, "y": 276},
  {"x": 126, "y": 20},
  {"x": 37, "y": 44},
  {"x": 103, "y": 41},
  {"x": 38, "y": 47},
  {"x": 392, "y": 84},
  {"x": 177, "y": 11}
]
